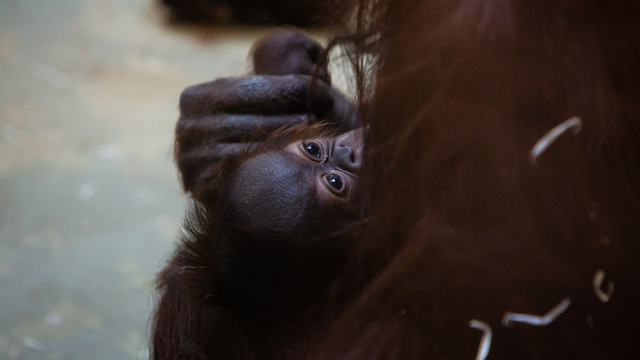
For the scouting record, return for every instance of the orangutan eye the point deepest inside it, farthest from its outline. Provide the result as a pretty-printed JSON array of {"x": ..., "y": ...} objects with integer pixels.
[
  {"x": 339, "y": 184},
  {"x": 335, "y": 181},
  {"x": 312, "y": 149}
]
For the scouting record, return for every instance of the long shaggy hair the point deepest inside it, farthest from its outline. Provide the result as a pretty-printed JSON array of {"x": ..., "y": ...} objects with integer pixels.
[{"x": 478, "y": 208}]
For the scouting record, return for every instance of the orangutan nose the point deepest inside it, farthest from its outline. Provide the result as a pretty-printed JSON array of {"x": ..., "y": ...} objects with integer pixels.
[{"x": 347, "y": 153}]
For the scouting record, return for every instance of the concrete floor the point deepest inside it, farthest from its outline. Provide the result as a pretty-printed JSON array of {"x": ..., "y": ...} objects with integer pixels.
[{"x": 89, "y": 199}]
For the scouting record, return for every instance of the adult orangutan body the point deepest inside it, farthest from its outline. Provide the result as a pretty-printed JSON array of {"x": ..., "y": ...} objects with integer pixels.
[{"x": 481, "y": 212}]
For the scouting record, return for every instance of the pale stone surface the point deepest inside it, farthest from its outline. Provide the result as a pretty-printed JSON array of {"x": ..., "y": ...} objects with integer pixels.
[{"x": 89, "y": 200}]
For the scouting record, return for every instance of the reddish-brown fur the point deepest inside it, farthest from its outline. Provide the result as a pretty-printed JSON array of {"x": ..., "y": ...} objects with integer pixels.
[{"x": 464, "y": 225}]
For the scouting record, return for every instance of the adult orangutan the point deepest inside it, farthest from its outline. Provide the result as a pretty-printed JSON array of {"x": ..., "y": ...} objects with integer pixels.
[{"x": 503, "y": 168}]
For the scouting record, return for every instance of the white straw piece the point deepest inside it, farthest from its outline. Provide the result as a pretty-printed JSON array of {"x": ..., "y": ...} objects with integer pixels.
[
  {"x": 485, "y": 341},
  {"x": 546, "y": 319},
  {"x": 548, "y": 138},
  {"x": 597, "y": 286}
]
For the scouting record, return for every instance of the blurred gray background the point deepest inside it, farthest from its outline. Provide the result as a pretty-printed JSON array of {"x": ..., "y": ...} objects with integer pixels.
[{"x": 89, "y": 198}]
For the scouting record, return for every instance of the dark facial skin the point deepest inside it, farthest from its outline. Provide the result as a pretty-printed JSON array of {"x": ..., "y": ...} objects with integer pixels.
[
  {"x": 289, "y": 52},
  {"x": 291, "y": 192}
]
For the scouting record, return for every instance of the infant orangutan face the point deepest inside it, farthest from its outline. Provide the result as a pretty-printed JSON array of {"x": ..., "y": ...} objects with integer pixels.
[
  {"x": 310, "y": 184},
  {"x": 333, "y": 164}
]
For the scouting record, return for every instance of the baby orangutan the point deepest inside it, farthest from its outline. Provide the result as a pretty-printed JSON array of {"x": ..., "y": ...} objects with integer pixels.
[{"x": 272, "y": 217}]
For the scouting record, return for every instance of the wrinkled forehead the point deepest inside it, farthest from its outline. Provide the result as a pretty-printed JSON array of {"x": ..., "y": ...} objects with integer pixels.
[{"x": 271, "y": 192}]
